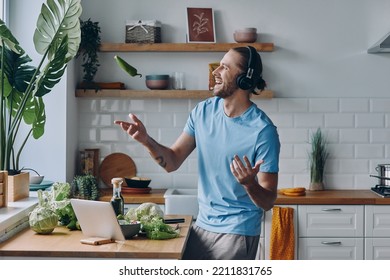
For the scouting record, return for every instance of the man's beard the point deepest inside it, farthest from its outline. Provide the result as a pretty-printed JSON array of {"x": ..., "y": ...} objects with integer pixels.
[{"x": 226, "y": 90}]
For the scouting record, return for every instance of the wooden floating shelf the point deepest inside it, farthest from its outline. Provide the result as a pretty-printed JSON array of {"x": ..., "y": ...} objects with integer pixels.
[
  {"x": 162, "y": 94},
  {"x": 181, "y": 47}
]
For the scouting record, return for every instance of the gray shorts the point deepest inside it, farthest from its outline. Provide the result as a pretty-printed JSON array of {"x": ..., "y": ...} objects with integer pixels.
[{"x": 206, "y": 245}]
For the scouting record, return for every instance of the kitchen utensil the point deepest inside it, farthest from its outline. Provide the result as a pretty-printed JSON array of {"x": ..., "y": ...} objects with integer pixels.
[
  {"x": 178, "y": 81},
  {"x": 116, "y": 165},
  {"x": 157, "y": 81},
  {"x": 246, "y": 35},
  {"x": 130, "y": 230},
  {"x": 383, "y": 174},
  {"x": 42, "y": 186},
  {"x": 137, "y": 182},
  {"x": 36, "y": 179}
]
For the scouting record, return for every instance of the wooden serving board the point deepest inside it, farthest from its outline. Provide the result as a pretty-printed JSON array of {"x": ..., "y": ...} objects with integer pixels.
[{"x": 117, "y": 165}]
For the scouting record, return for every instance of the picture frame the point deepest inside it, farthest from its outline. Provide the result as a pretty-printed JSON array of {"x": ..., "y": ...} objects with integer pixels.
[{"x": 200, "y": 25}]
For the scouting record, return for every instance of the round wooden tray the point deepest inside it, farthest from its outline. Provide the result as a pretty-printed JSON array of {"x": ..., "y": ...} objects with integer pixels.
[{"x": 117, "y": 165}]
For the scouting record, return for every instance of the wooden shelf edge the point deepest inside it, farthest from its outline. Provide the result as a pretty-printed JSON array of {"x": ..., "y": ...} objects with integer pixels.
[
  {"x": 181, "y": 47},
  {"x": 162, "y": 94}
]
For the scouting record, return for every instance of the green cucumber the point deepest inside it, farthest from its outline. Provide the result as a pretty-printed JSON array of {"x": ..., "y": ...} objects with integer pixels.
[{"x": 126, "y": 67}]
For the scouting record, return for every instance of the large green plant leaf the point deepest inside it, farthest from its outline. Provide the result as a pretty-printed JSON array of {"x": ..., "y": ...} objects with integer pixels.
[
  {"x": 57, "y": 20},
  {"x": 17, "y": 70},
  {"x": 7, "y": 39},
  {"x": 53, "y": 71}
]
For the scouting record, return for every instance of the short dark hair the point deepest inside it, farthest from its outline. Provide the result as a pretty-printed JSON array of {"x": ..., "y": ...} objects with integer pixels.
[{"x": 258, "y": 70}]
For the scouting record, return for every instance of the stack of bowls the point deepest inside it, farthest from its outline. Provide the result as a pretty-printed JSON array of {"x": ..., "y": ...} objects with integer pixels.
[{"x": 245, "y": 35}]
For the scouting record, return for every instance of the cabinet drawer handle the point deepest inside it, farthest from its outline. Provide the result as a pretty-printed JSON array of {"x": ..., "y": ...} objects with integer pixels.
[
  {"x": 331, "y": 242},
  {"x": 331, "y": 209}
]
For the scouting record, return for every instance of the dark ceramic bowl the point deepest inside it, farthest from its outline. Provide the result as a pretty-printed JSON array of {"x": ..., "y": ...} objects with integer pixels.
[
  {"x": 137, "y": 182},
  {"x": 157, "y": 81},
  {"x": 130, "y": 229}
]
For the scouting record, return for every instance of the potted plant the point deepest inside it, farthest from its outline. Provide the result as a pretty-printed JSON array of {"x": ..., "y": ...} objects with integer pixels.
[
  {"x": 317, "y": 159},
  {"x": 89, "y": 48},
  {"x": 23, "y": 86}
]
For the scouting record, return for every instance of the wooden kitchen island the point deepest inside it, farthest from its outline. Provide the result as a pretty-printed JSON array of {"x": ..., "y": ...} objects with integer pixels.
[{"x": 63, "y": 243}]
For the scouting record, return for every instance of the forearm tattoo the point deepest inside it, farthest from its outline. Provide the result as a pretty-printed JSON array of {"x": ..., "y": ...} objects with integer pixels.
[{"x": 160, "y": 160}]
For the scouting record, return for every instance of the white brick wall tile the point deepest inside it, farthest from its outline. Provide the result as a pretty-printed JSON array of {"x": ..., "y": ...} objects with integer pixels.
[
  {"x": 282, "y": 120},
  {"x": 301, "y": 150},
  {"x": 370, "y": 120},
  {"x": 293, "y": 166},
  {"x": 285, "y": 180},
  {"x": 354, "y": 135},
  {"x": 268, "y": 106},
  {"x": 113, "y": 105},
  {"x": 332, "y": 166},
  {"x": 293, "y": 135},
  {"x": 301, "y": 181},
  {"x": 92, "y": 120},
  {"x": 324, "y": 105},
  {"x": 341, "y": 151},
  {"x": 357, "y": 130},
  {"x": 137, "y": 106},
  {"x": 174, "y": 105},
  {"x": 354, "y": 166},
  {"x": 308, "y": 120},
  {"x": 369, "y": 151},
  {"x": 286, "y": 151},
  {"x": 185, "y": 181},
  {"x": 293, "y": 105},
  {"x": 365, "y": 182},
  {"x": 160, "y": 120},
  {"x": 88, "y": 135},
  {"x": 339, "y": 120},
  {"x": 112, "y": 134},
  {"x": 180, "y": 120},
  {"x": 169, "y": 135},
  {"x": 192, "y": 165},
  {"x": 387, "y": 120},
  {"x": 380, "y": 105},
  {"x": 160, "y": 180},
  {"x": 88, "y": 105},
  {"x": 380, "y": 136},
  {"x": 339, "y": 181},
  {"x": 351, "y": 105}
]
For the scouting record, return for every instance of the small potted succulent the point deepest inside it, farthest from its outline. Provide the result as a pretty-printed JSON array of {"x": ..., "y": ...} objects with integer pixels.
[{"x": 317, "y": 160}]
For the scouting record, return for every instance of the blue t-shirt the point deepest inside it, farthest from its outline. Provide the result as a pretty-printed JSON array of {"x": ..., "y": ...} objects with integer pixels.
[{"x": 224, "y": 205}]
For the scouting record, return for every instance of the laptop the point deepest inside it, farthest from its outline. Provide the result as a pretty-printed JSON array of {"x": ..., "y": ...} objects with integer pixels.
[{"x": 97, "y": 219}]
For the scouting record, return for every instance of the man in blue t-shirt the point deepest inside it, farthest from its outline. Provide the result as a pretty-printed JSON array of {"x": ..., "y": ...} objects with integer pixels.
[{"x": 238, "y": 160}]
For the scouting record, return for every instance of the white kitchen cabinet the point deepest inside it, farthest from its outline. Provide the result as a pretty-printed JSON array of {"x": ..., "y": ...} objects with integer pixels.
[
  {"x": 326, "y": 248},
  {"x": 377, "y": 221},
  {"x": 377, "y": 232},
  {"x": 377, "y": 248},
  {"x": 331, "y": 232},
  {"x": 331, "y": 220}
]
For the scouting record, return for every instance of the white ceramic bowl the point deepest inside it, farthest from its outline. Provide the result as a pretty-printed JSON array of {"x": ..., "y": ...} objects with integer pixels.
[{"x": 34, "y": 179}]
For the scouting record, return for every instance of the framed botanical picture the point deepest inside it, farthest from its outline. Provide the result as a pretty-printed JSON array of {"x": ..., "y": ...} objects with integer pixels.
[{"x": 200, "y": 25}]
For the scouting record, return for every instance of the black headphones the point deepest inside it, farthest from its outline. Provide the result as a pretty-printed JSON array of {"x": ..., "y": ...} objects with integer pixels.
[{"x": 245, "y": 81}]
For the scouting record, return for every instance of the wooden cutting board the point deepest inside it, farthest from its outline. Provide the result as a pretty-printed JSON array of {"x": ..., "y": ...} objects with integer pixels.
[{"x": 117, "y": 165}]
